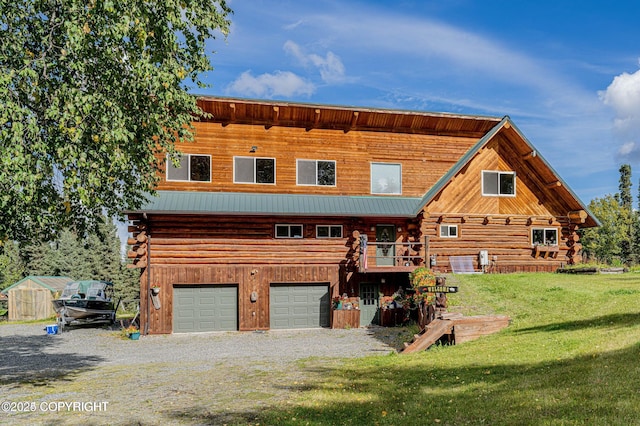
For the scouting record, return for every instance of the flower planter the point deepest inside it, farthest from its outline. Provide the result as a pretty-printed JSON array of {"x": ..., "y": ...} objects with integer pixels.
[
  {"x": 134, "y": 336},
  {"x": 345, "y": 318}
]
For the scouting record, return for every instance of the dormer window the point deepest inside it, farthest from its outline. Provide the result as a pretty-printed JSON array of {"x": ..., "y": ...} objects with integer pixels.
[
  {"x": 316, "y": 172},
  {"x": 254, "y": 170},
  {"x": 501, "y": 184},
  {"x": 191, "y": 168},
  {"x": 386, "y": 178}
]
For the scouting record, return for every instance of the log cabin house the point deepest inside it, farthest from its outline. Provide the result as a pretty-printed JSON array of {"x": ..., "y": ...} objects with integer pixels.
[{"x": 278, "y": 207}]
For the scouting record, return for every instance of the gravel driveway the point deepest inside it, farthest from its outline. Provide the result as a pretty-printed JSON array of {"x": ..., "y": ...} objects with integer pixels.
[{"x": 94, "y": 376}]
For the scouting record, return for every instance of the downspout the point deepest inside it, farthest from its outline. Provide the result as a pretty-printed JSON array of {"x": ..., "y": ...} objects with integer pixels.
[{"x": 146, "y": 323}]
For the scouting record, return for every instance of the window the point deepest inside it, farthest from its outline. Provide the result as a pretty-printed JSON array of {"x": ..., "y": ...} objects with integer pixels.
[
  {"x": 448, "y": 231},
  {"x": 192, "y": 167},
  {"x": 288, "y": 231},
  {"x": 386, "y": 178},
  {"x": 329, "y": 231},
  {"x": 544, "y": 236},
  {"x": 499, "y": 183},
  {"x": 254, "y": 170},
  {"x": 316, "y": 172}
]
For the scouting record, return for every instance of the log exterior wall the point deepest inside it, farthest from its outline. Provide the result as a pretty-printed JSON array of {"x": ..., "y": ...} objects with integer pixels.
[
  {"x": 242, "y": 250},
  {"x": 501, "y": 225}
]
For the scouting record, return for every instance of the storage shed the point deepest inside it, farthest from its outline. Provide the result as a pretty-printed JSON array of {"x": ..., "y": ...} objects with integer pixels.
[{"x": 31, "y": 297}]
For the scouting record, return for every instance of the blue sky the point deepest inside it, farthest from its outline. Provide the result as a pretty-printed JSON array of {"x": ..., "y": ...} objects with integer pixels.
[{"x": 566, "y": 72}]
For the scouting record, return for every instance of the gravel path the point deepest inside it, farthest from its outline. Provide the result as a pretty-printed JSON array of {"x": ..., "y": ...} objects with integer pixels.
[{"x": 207, "y": 378}]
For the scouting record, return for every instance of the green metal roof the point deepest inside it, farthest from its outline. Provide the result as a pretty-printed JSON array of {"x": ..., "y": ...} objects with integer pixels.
[
  {"x": 191, "y": 202},
  {"x": 50, "y": 283}
]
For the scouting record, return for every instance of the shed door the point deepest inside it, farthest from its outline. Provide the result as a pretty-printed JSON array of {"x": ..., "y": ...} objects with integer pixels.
[
  {"x": 205, "y": 308},
  {"x": 299, "y": 306}
]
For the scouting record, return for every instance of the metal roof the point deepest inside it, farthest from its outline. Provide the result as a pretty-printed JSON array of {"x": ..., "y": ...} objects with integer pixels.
[
  {"x": 50, "y": 283},
  {"x": 236, "y": 203}
]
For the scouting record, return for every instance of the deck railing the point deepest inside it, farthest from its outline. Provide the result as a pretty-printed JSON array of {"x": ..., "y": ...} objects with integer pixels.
[{"x": 395, "y": 255}]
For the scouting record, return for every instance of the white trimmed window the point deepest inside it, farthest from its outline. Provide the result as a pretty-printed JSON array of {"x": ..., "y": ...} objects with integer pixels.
[
  {"x": 316, "y": 172},
  {"x": 288, "y": 231},
  {"x": 191, "y": 167},
  {"x": 448, "y": 231},
  {"x": 386, "y": 178},
  {"x": 328, "y": 231},
  {"x": 544, "y": 236},
  {"x": 254, "y": 170},
  {"x": 499, "y": 183}
]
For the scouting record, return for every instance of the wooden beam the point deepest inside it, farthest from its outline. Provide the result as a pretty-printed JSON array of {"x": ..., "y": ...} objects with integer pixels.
[
  {"x": 442, "y": 218},
  {"x": 531, "y": 155},
  {"x": 579, "y": 216},
  {"x": 274, "y": 118},
  {"x": 554, "y": 184},
  {"x": 354, "y": 121}
]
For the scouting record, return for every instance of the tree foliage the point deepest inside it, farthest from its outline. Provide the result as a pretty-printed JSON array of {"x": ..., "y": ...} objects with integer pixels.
[
  {"x": 624, "y": 187},
  {"x": 95, "y": 256},
  {"x": 93, "y": 95},
  {"x": 616, "y": 241},
  {"x": 605, "y": 242}
]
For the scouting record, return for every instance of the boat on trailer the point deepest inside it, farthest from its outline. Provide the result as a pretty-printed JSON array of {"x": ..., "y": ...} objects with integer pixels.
[{"x": 85, "y": 301}]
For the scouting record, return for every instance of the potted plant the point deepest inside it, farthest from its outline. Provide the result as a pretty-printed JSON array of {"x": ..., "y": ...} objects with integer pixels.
[
  {"x": 132, "y": 332},
  {"x": 155, "y": 289}
]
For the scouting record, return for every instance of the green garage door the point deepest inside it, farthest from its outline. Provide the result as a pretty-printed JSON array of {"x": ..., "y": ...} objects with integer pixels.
[
  {"x": 299, "y": 306},
  {"x": 205, "y": 308}
]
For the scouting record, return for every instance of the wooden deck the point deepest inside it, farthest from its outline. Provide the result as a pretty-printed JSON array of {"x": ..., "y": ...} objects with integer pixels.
[{"x": 461, "y": 328}]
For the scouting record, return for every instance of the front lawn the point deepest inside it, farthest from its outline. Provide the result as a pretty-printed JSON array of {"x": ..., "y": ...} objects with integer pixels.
[{"x": 570, "y": 357}]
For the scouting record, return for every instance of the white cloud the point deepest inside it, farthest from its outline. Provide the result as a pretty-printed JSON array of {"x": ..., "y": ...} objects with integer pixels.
[
  {"x": 330, "y": 67},
  {"x": 623, "y": 96},
  {"x": 269, "y": 85}
]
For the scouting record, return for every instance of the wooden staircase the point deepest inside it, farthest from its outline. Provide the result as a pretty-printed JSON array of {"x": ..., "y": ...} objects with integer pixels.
[
  {"x": 430, "y": 335},
  {"x": 461, "y": 328}
]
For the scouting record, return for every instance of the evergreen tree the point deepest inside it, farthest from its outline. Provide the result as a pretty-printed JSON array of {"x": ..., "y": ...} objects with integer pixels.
[
  {"x": 95, "y": 256},
  {"x": 626, "y": 199},
  {"x": 39, "y": 258},
  {"x": 626, "y": 215},
  {"x": 11, "y": 266}
]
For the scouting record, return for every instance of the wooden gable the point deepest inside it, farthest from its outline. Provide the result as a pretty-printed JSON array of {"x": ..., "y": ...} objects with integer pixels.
[{"x": 539, "y": 190}]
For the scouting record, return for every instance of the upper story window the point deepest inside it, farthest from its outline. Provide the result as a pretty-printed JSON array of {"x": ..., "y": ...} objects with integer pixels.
[
  {"x": 544, "y": 236},
  {"x": 499, "y": 183},
  {"x": 328, "y": 231},
  {"x": 316, "y": 172},
  {"x": 288, "y": 231},
  {"x": 191, "y": 167},
  {"x": 448, "y": 231},
  {"x": 254, "y": 170},
  {"x": 386, "y": 178}
]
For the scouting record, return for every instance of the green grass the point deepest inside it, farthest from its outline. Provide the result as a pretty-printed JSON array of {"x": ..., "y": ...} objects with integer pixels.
[{"x": 571, "y": 356}]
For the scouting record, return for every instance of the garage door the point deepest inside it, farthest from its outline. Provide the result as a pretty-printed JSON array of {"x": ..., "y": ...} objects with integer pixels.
[
  {"x": 299, "y": 306},
  {"x": 205, "y": 308}
]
